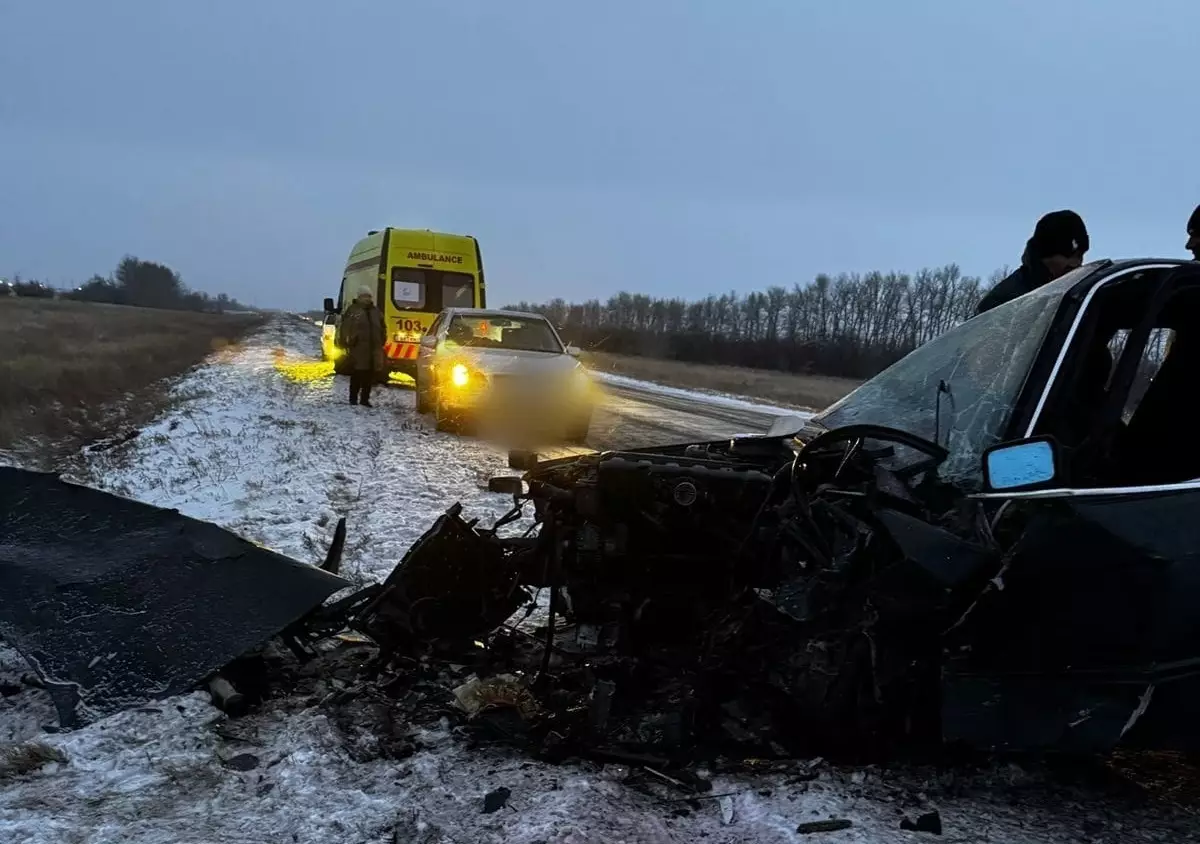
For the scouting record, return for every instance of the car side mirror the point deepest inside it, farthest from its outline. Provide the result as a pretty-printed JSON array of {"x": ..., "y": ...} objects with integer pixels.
[
  {"x": 329, "y": 306},
  {"x": 429, "y": 341},
  {"x": 1021, "y": 465},
  {"x": 574, "y": 351}
]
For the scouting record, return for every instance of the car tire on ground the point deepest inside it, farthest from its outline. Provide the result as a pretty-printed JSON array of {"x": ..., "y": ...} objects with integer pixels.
[
  {"x": 448, "y": 422},
  {"x": 577, "y": 433},
  {"x": 424, "y": 400},
  {"x": 341, "y": 366}
]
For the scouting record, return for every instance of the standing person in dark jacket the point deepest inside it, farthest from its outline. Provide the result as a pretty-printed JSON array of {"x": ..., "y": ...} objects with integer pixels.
[
  {"x": 362, "y": 333},
  {"x": 1193, "y": 230},
  {"x": 1059, "y": 242}
]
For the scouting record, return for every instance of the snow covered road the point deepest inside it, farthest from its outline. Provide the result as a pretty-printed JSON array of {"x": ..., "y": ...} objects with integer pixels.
[
  {"x": 262, "y": 443},
  {"x": 635, "y": 412}
]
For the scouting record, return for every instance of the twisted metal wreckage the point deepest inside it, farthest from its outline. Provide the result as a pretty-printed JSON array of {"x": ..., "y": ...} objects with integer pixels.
[{"x": 835, "y": 585}]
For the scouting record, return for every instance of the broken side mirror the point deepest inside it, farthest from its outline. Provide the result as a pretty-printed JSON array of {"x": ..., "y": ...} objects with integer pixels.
[
  {"x": 574, "y": 351},
  {"x": 506, "y": 485},
  {"x": 429, "y": 341},
  {"x": 1021, "y": 465}
]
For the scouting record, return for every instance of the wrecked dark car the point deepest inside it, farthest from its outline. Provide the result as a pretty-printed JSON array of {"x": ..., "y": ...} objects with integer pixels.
[{"x": 990, "y": 543}]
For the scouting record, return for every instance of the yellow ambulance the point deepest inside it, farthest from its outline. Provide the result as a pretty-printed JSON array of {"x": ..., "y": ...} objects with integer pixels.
[{"x": 416, "y": 274}]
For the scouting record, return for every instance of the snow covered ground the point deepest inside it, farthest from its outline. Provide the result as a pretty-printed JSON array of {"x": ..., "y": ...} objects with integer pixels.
[{"x": 263, "y": 443}]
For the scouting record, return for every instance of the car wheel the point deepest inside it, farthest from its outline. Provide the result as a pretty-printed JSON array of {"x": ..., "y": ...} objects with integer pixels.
[
  {"x": 577, "y": 433},
  {"x": 447, "y": 422},
  {"x": 456, "y": 424}
]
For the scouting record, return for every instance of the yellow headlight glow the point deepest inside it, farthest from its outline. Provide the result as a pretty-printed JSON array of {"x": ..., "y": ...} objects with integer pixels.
[{"x": 460, "y": 376}]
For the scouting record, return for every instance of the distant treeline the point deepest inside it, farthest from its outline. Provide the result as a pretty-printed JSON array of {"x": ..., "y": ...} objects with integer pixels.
[
  {"x": 143, "y": 284},
  {"x": 849, "y": 325}
]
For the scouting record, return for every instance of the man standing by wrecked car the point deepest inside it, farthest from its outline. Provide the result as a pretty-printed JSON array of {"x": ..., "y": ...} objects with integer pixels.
[
  {"x": 362, "y": 333},
  {"x": 1059, "y": 242},
  {"x": 1193, "y": 233}
]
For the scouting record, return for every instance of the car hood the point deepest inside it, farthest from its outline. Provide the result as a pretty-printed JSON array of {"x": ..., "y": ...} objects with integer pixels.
[{"x": 516, "y": 362}]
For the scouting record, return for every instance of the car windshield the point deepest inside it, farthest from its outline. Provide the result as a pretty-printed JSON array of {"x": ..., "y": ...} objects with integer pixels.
[
  {"x": 524, "y": 334},
  {"x": 983, "y": 363}
]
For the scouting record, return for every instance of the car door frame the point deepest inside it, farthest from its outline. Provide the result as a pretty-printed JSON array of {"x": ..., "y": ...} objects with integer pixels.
[
  {"x": 1044, "y": 375},
  {"x": 1140, "y": 571}
]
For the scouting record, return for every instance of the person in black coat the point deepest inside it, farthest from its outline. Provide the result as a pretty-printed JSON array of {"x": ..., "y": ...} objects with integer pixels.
[
  {"x": 1193, "y": 231},
  {"x": 1059, "y": 242}
]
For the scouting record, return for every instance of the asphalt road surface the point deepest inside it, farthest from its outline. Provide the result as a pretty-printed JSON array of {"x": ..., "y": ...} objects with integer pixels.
[{"x": 631, "y": 416}]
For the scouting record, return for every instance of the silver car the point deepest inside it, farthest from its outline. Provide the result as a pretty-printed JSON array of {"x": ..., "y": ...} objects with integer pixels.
[{"x": 505, "y": 368}]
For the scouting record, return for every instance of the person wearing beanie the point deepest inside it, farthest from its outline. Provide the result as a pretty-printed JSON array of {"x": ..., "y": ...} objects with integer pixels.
[
  {"x": 1193, "y": 232},
  {"x": 1059, "y": 242},
  {"x": 362, "y": 333}
]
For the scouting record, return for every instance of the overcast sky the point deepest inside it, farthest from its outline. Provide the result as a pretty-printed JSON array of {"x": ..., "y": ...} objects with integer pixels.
[{"x": 677, "y": 147}]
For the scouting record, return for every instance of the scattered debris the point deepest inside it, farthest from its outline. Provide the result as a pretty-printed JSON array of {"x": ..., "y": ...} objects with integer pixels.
[
  {"x": 226, "y": 697},
  {"x": 502, "y": 691},
  {"x": 241, "y": 762},
  {"x": 110, "y": 443},
  {"x": 928, "y": 822},
  {"x": 726, "y": 804},
  {"x": 496, "y": 800},
  {"x": 832, "y": 825}
]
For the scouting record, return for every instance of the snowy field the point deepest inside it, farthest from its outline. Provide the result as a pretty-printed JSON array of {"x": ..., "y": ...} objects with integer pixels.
[{"x": 263, "y": 443}]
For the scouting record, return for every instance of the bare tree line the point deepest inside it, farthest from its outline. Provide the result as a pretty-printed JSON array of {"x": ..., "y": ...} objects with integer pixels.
[
  {"x": 144, "y": 284},
  {"x": 851, "y": 325}
]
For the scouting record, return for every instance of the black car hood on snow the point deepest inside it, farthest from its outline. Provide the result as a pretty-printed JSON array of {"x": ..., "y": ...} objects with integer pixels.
[{"x": 115, "y": 602}]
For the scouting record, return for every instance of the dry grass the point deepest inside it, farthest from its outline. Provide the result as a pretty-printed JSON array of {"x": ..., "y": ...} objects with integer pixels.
[
  {"x": 71, "y": 372},
  {"x": 18, "y": 760},
  {"x": 810, "y": 391}
]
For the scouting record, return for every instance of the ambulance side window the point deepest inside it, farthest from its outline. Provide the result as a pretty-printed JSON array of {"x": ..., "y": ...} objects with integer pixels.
[{"x": 408, "y": 289}]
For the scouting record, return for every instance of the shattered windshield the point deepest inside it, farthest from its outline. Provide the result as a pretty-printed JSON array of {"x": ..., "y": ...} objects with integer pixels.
[{"x": 983, "y": 362}]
